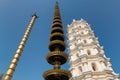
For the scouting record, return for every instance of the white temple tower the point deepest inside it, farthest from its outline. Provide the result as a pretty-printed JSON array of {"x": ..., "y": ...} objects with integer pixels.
[{"x": 87, "y": 58}]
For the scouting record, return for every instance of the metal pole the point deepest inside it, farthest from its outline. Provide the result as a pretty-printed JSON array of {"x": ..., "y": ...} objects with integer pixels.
[{"x": 18, "y": 53}]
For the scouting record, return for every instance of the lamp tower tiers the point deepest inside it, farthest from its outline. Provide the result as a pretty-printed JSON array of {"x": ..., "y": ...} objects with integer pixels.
[
  {"x": 57, "y": 56},
  {"x": 87, "y": 58},
  {"x": 18, "y": 53}
]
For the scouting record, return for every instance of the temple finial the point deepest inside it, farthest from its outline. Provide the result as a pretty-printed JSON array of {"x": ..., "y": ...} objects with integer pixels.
[
  {"x": 57, "y": 12},
  {"x": 56, "y": 2},
  {"x": 35, "y": 15}
]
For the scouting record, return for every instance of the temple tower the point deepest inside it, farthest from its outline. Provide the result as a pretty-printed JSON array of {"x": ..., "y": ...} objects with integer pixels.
[
  {"x": 18, "y": 53},
  {"x": 57, "y": 56},
  {"x": 87, "y": 58}
]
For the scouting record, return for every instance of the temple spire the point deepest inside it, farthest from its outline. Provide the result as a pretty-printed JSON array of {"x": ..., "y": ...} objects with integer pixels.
[
  {"x": 57, "y": 11},
  {"x": 18, "y": 53},
  {"x": 57, "y": 56}
]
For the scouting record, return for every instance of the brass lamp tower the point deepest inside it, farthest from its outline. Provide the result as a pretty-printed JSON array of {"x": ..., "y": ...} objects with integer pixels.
[{"x": 57, "y": 56}]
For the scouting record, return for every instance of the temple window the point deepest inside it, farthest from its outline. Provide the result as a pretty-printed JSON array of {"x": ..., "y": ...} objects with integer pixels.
[
  {"x": 82, "y": 33},
  {"x": 94, "y": 67},
  {"x": 80, "y": 68},
  {"x": 88, "y": 52},
  {"x": 85, "y": 41}
]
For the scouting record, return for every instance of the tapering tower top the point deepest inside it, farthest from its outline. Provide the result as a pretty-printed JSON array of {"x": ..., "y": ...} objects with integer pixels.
[{"x": 57, "y": 12}]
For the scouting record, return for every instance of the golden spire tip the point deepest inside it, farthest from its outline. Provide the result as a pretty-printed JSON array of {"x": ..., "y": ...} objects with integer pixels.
[
  {"x": 56, "y": 2},
  {"x": 35, "y": 15}
]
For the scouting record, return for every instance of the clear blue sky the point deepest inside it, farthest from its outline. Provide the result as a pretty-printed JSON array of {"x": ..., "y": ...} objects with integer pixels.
[{"x": 103, "y": 15}]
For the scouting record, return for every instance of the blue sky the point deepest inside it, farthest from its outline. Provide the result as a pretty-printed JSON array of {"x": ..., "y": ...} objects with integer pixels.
[{"x": 103, "y": 15}]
